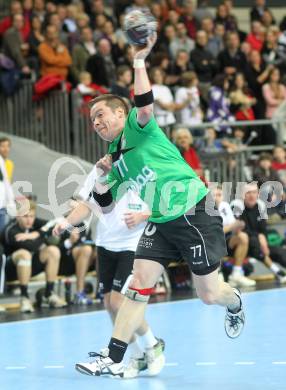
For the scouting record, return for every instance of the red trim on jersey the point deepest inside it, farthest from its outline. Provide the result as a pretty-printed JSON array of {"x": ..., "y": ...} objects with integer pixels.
[{"x": 143, "y": 291}]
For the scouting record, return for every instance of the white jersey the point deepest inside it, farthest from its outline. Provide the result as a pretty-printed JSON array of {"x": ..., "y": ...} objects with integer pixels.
[
  {"x": 226, "y": 213},
  {"x": 112, "y": 232},
  {"x": 192, "y": 114}
]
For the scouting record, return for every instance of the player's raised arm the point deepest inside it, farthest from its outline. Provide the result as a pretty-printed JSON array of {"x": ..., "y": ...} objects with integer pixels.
[{"x": 142, "y": 87}]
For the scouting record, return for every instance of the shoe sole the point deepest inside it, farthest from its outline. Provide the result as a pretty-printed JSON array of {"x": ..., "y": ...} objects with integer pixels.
[{"x": 85, "y": 371}]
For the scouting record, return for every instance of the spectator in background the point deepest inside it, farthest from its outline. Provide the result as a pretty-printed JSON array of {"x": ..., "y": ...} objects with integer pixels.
[
  {"x": 264, "y": 171},
  {"x": 39, "y": 10},
  {"x": 219, "y": 104},
  {"x": 268, "y": 19},
  {"x": 69, "y": 23},
  {"x": 270, "y": 52},
  {"x": 279, "y": 163},
  {"x": 140, "y": 5},
  {"x": 163, "y": 98},
  {"x": 87, "y": 89},
  {"x": 274, "y": 92},
  {"x": 29, "y": 255},
  {"x": 15, "y": 9},
  {"x": 225, "y": 18},
  {"x": 241, "y": 99},
  {"x": 123, "y": 82},
  {"x": 252, "y": 211},
  {"x": 81, "y": 52},
  {"x": 101, "y": 65},
  {"x": 176, "y": 69},
  {"x": 36, "y": 37},
  {"x": 189, "y": 19},
  {"x": 215, "y": 41},
  {"x": 231, "y": 59},
  {"x": 237, "y": 241},
  {"x": 203, "y": 63},
  {"x": 55, "y": 20},
  {"x": 5, "y": 147},
  {"x": 210, "y": 143},
  {"x": 54, "y": 56},
  {"x": 109, "y": 33},
  {"x": 256, "y": 37},
  {"x": 166, "y": 38},
  {"x": 256, "y": 75},
  {"x": 192, "y": 114},
  {"x": 203, "y": 12},
  {"x": 258, "y": 10},
  {"x": 181, "y": 41},
  {"x": 14, "y": 45},
  {"x": 6, "y": 194},
  {"x": 183, "y": 139}
]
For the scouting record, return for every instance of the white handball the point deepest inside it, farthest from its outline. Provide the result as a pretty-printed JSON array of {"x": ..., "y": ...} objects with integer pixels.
[{"x": 138, "y": 26}]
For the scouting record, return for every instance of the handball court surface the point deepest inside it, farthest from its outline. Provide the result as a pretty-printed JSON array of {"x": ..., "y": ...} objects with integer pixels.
[{"x": 41, "y": 353}]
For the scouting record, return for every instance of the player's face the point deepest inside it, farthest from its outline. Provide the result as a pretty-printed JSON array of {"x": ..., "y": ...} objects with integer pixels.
[
  {"x": 5, "y": 149},
  {"x": 106, "y": 122},
  {"x": 217, "y": 194},
  {"x": 251, "y": 195},
  {"x": 27, "y": 220}
]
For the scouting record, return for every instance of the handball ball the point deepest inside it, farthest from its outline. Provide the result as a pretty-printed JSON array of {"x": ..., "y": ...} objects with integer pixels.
[{"x": 138, "y": 26}]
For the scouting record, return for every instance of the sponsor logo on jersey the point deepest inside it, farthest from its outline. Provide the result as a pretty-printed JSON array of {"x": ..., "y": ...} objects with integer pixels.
[{"x": 142, "y": 179}]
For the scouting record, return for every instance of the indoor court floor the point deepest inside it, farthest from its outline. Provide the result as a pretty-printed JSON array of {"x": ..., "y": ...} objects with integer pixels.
[{"x": 41, "y": 353}]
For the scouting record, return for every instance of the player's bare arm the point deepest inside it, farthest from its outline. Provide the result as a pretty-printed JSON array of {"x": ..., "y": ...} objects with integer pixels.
[{"x": 142, "y": 86}]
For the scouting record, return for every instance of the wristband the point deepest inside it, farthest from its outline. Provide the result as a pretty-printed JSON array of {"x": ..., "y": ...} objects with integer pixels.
[{"x": 138, "y": 63}]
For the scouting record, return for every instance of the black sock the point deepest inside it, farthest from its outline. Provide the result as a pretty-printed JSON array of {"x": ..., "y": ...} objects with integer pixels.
[
  {"x": 49, "y": 288},
  {"x": 24, "y": 290},
  {"x": 117, "y": 349}
]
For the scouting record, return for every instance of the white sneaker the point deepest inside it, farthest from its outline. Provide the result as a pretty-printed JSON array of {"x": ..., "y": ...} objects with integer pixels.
[
  {"x": 134, "y": 367},
  {"x": 26, "y": 305},
  {"x": 53, "y": 301},
  {"x": 101, "y": 365},
  {"x": 156, "y": 358},
  {"x": 2, "y": 309},
  {"x": 234, "y": 322},
  {"x": 281, "y": 277},
  {"x": 239, "y": 280}
]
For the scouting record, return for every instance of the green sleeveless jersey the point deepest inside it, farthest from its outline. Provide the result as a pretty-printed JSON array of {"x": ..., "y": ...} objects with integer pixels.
[{"x": 145, "y": 161}]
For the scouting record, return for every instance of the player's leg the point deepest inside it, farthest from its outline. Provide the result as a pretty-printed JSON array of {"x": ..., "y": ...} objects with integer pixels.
[
  {"x": 49, "y": 257},
  {"x": 239, "y": 244},
  {"x": 22, "y": 259},
  {"x": 146, "y": 351},
  {"x": 201, "y": 240},
  {"x": 129, "y": 318}
]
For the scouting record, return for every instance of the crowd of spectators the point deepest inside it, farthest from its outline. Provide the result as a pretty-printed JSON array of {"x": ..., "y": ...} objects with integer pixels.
[{"x": 204, "y": 66}]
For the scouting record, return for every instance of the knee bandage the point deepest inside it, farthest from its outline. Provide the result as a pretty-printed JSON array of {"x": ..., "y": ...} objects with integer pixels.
[
  {"x": 139, "y": 295},
  {"x": 24, "y": 263}
]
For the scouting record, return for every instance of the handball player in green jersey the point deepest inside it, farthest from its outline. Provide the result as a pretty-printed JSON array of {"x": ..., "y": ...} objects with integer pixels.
[{"x": 141, "y": 157}]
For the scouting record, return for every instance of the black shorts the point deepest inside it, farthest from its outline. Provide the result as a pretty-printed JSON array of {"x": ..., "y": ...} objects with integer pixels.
[
  {"x": 198, "y": 239},
  {"x": 11, "y": 269},
  {"x": 114, "y": 269}
]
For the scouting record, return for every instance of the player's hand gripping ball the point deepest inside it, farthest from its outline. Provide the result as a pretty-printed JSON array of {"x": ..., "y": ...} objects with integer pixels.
[{"x": 138, "y": 26}]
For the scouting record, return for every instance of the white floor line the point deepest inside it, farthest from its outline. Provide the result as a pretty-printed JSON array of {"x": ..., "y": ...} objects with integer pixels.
[
  {"x": 15, "y": 368},
  {"x": 206, "y": 363},
  {"x": 54, "y": 366},
  {"x": 244, "y": 363},
  {"x": 171, "y": 364},
  {"x": 279, "y": 363}
]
